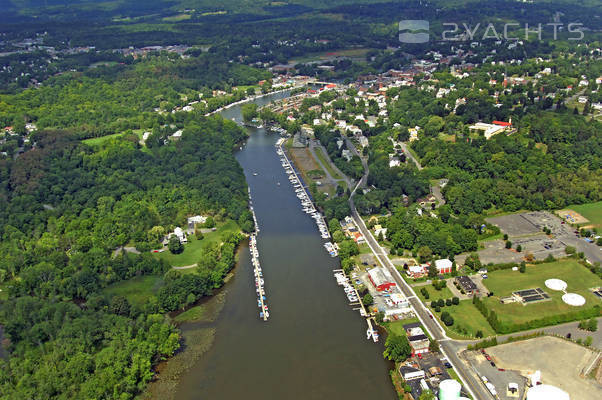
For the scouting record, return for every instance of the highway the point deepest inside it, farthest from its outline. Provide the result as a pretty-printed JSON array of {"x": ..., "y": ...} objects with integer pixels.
[{"x": 447, "y": 346}]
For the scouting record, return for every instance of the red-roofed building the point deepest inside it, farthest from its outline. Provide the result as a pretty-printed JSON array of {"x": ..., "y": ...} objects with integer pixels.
[
  {"x": 502, "y": 123},
  {"x": 331, "y": 86}
]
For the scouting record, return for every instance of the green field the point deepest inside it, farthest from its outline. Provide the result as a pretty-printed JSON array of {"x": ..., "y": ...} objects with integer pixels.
[
  {"x": 136, "y": 290},
  {"x": 194, "y": 248},
  {"x": 434, "y": 294},
  {"x": 326, "y": 162},
  {"x": 591, "y": 211},
  {"x": 503, "y": 283},
  {"x": 193, "y": 314},
  {"x": 396, "y": 327},
  {"x": 100, "y": 140},
  {"x": 467, "y": 320}
]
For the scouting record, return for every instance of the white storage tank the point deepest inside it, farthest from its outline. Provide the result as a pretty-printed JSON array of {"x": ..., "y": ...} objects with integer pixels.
[
  {"x": 449, "y": 389},
  {"x": 546, "y": 392}
]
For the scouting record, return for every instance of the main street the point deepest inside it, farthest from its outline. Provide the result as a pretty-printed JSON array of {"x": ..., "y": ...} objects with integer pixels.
[{"x": 448, "y": 347}]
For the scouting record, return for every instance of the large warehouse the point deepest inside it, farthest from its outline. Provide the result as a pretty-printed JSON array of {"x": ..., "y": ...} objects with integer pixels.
[{"x": 381, "y": 279}]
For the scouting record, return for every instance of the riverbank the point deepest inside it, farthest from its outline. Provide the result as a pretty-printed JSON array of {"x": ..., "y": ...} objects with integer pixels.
[
  {"x": 198, "y": 334},
  {"x": 252, "y": 98}
]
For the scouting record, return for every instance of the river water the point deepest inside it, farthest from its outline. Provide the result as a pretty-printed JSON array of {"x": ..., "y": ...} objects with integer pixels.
[{"x": 314, "y": 345}]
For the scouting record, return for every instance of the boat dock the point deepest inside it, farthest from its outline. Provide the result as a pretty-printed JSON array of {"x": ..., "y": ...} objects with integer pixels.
[
  {"x": 257, "y": 272},
  {"x": 259, "y": 282},
  {"x": 354, "y": 298},
  {"x": 303, "y": 195}
]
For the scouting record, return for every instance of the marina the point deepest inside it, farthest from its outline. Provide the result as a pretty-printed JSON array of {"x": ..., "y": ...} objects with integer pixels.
[
  {"x": 257, "y": 272},
  {"x": 354, "y": 299},
  {"x": 264, "y": 313},
  {"x": 305, "y": 198},
  {"x": 279, "y": 355}
]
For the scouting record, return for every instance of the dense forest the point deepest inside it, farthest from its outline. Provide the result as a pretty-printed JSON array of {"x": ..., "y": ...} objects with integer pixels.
[{"x": 65, "y": 208}]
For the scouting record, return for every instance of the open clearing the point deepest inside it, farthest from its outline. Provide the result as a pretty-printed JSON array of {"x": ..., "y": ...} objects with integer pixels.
[
  {"x": 560, "y": 362},
  {"x": 136, "y": 290},
  {"x": 503, "y": 283}
]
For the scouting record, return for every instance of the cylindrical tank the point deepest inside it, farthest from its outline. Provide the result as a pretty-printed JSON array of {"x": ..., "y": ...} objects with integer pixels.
[
  {"x": 546, "y": 392},
  {"x": 449, "y": 389}
]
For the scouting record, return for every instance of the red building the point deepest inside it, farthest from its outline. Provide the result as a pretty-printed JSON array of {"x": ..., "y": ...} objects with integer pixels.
[{"x": 381, "y": 279}]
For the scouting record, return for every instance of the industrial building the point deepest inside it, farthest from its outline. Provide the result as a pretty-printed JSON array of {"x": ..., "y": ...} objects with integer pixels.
[{"x": 381, "y": 279}]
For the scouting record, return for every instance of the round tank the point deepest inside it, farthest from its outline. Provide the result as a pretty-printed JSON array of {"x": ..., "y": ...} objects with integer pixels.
[
  {"x": 449, "y": 389},
  {"x": 546, "y": 392}
]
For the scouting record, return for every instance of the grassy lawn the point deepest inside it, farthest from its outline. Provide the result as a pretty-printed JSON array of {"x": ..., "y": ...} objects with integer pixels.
[
  {"x": 100, "y": 140},
  {"x": 396, "y": 327},
  {"x": 193, "y": 314},
  {"x": 194, "y": 248},
  {"x": 503, "y": 283},
  {"x": 444, "y": 293},
  {"x": 136, "y": 290},
  {"x": 326, "y": 162},
  {"x": 467, "y": 320},
  {"x": 591, "y": 211}
]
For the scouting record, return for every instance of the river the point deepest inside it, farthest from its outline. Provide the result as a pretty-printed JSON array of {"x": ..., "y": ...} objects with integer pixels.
[{"x": 314, "y": 345}]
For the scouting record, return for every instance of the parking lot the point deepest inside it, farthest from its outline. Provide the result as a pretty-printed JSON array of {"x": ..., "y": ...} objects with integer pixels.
[
  {"x": 526, "y": 229},
  {"x": 496, "y": 375}
]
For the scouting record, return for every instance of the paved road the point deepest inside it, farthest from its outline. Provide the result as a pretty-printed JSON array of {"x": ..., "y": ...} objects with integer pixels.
[
  {"x": 448, "y": 347},
  {"x": 312, "y": 149},
  {"x": 409, "y": 154}
]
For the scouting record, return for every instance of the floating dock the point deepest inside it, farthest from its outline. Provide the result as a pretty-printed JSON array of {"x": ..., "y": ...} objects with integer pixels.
[
  {"x": 259, "y": 282},
  {"x": 304, "y": 197},
  {"x": 264, "y": 314},
  {"x": 354, "y": 297}
]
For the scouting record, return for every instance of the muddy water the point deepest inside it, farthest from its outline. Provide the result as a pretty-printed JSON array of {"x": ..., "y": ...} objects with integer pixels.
[{"x": 314, "y": 345}]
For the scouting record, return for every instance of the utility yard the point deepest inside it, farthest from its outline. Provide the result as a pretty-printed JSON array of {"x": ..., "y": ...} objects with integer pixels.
[{"x": 503, "y": 283}]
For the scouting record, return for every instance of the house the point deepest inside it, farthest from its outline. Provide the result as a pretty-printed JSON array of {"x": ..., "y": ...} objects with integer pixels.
[
  {"x": 363, "y": 141},
  {"x": 394, "y": 162},
  {"x": 419, "y": 342},
  {"x": 197, "y": 219},
  {"x": 379, "y": 230},
  {"x": 410, "y": 373},
  {"x": 346, "y": 154},
  {"x": 177, "y": 135},
  {"x": 180, "y": 234},
  {"x": 381, "y": 279},
  {"x": 444, "y": 266},
  {"x": 357, "y": 237},
  {"x": 489, "y": 130},
  {"x": 467, "y": 285},
  {"x": 416, "y": 271},
  {"x": 414, "y": 133}
]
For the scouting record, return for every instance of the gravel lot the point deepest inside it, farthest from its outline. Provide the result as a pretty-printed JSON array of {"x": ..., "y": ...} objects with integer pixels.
[{"x": 560, "y": 362}]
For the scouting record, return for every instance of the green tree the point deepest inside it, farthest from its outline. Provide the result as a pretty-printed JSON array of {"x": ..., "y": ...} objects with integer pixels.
[
  {"x": 174, "y": 245},
  {"x": 368, "y": 300},
  {"x": 397, "y": 348},
  {"x": 592, "y": 325}
]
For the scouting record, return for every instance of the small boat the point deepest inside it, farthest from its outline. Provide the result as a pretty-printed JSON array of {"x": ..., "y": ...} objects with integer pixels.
[{"x": 255, "y": 174}]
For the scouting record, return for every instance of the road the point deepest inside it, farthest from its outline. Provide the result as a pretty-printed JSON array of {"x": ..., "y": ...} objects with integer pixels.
[
  {"x": 409, "y": 154},
  {"x": 312, "y": 149},
  {"x": 448, "y": 347}
]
